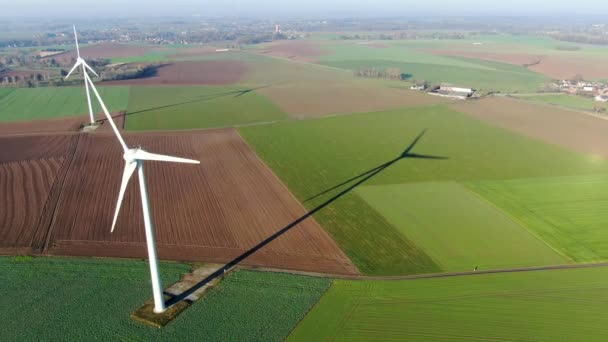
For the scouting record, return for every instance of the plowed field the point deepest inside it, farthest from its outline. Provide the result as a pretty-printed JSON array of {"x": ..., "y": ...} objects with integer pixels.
[
  {"x": 25, "y": 189},
  {"x": 573, "y": 130},
  {"x": 110, "y": 50},
  {"x": 30, "y": 170},
  {"x": 192, "y": 73},
  {"x": 70, "y": 124},
  {"x": 214, "y": 212}
]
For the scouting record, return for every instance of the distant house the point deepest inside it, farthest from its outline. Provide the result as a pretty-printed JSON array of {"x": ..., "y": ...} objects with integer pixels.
[
  {"x": 589, "y": 88},
  {"x": 601, "y": 98}
]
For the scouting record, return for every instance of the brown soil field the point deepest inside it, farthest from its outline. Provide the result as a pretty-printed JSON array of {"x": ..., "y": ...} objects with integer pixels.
[
  {"x": 25, "y": 190},
  {"x": 211, "y": 212},
  {"x": 71, "y": 124},
  {"x": 318, "y": 99},
  {"x": 105, "y": 50},
  {"x": 565, "y": 67},
  {"x": 554, "y": 66},
  {"x": 18, "y": 148},
  {"x": 192, "y": 73},
  {"x": 295, "y": 50},
  {"x": 573, "y": 130}
]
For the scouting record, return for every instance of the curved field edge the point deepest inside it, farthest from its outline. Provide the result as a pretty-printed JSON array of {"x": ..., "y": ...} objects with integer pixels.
[
  {"x": 540, "y": 305},
  {"x": 84, "y": 299}
]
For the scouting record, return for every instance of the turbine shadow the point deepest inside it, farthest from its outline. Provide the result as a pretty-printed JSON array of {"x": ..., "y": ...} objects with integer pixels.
[
  {"x": 363, "y": 177},
  {"x": 236, "y": 93}
]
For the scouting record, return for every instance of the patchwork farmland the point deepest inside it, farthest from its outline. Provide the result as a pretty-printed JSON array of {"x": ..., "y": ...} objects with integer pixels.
[{"x": 328, "y": 205}]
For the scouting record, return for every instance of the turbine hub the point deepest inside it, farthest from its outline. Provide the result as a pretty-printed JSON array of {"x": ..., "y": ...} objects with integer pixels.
[{"x": 129, "y": 155}]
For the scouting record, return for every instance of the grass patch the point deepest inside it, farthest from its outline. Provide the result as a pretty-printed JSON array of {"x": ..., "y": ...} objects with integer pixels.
[
  {"x": 314, "y": 155},
  {"x": 186, "y": 107},
  {"x": 457, "y": 228},
  {"x": 564, "y": 100},
  {"x": 84, "y": 299},
  {"x": 531, "y": 306},
  {"x": 567, "y": 212},
  {"x": 46, "y": 103},
  {"x": 5, "y": 92},
  {"x": 488, "y": 76}
]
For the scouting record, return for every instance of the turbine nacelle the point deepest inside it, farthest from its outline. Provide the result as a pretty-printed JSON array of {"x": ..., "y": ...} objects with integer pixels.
[{"x": 134, "y": 158}]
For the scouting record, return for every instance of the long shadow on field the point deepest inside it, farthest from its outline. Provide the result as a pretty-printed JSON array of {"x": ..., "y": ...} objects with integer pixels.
[
  {"x": 236, "y": 93},
  {"x": 362, "y": 178}
]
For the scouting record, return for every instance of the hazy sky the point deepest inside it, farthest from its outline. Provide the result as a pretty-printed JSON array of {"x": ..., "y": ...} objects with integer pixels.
[{"x": 312, "y": 8}]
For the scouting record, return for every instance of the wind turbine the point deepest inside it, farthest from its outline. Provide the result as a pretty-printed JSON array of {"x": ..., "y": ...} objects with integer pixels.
[
  {"x": 81, "y": 62},
  {"x": 134, "y": 159}
]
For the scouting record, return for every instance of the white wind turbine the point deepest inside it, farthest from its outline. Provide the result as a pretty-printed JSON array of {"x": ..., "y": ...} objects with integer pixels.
[
  {"x": 134, "y": 159},
  {"x": 85, "y": 66}
]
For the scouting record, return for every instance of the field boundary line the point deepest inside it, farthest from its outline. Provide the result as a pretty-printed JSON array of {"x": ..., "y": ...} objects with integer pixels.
[
  {"x": 431, "y": 275},
  {"x": 516, "y": 220},
  {"x": 305, "y": 211},
  {"x": 70, "y": 163}
]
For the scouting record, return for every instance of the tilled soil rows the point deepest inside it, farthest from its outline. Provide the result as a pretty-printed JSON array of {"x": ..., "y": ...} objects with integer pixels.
[
  {"x": 192, "y": 73},
  {"x": 215, "y": 211}
]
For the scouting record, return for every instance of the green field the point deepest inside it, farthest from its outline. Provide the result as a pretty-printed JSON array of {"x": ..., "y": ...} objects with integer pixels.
[
  {"x": 46, "y": 103},
  {"x": 567, "y": 212},
  {"x": 560, "y": 305},
  {"x": 5, "y": 91},
  {"x": 314, "y": 155},
  {"x": 91, "y": 299},
  {"x": 457, "y": 228},
  {"x": 569, "y": 101},
  {"x": 188, "y": 107},
  {"x": 468, "y": 72}
]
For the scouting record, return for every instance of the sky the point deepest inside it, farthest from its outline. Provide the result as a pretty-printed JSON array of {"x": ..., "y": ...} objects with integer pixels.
[{"x": 298, "y": 8}]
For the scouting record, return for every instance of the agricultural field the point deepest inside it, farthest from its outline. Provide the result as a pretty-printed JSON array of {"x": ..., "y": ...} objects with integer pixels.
[
  {"x": 566, "y": 212},
  {"x": 45, "y": 103},
  {"x": 313, "y": 156},
  {"x": 576, "y": 131},
  {"x": 459, "y": 230},
  {"x": 528, "y": 306},
  {"x": 97, "y": 297},
  {"x": 107, "y": 50},
  {"x": 220, "y": 210},
  {"x": 467, "y": 72},
  {"x": 564, "y": 100},
  {"x": 181, "y": 107},
  {"x": 5, "y": 92},
  {"x": 212, "y": 72}
]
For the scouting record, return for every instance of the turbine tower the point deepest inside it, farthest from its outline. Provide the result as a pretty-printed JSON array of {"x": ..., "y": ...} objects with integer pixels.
[
  {"x": 134, "y": 159},
  {"x": 81, "y": 62}
]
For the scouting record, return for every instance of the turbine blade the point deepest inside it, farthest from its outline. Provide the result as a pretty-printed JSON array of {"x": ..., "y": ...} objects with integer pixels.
[
  {"x": 126, "y": 175},
  {"x": 143, "y": 155},
  {"x": 90, "y": 69},
  {"x": 422, "y": 156},
  {"x": 409, "y": 148},
  {"x": 71, "y": 71},
  {"x": 76, "y": 39},
  {"x": 107, "y": 114}
]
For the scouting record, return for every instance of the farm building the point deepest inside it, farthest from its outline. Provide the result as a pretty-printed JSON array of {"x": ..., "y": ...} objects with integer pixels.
[{"x": 453, "y": 92}]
